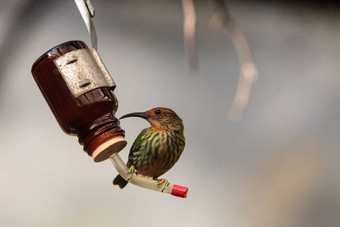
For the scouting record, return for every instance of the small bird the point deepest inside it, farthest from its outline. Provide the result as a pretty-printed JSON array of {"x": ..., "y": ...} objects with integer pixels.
[{"x": 156, "y": 149}]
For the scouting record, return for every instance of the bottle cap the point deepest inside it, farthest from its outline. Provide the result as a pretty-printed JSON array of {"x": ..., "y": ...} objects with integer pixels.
[{"x": 108, "y": 148}]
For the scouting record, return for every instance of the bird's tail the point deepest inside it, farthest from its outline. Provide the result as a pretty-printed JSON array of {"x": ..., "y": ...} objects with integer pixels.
[{"x": 119, "y": 180}]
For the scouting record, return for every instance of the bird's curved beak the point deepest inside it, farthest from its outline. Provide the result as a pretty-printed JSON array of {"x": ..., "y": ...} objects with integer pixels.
[{"x": 137, "y": 114}]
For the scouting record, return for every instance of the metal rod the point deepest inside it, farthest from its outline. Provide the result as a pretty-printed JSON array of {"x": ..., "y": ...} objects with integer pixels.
[{"x": 87, "y": 12}]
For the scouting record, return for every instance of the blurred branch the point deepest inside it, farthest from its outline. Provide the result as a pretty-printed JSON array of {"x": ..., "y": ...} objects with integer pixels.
[
  {"x": 248, "y": 71},
  {"x": 189, "y": 25}
]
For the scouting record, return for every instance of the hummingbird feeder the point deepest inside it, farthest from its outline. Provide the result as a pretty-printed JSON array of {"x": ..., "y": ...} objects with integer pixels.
[{"x": 79, "y": 91}]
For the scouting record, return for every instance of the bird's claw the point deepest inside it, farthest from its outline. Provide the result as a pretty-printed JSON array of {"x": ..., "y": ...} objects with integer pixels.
[
  {"x": 132, "y": 170},
  {"x": 163, "y": 183}
]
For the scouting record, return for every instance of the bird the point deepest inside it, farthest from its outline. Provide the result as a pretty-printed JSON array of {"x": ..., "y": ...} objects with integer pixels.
[{"x": 157, "y": 148}]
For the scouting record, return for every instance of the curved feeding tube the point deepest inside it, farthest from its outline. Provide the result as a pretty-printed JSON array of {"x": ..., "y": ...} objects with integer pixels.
[{"x": 143, "y": 182}]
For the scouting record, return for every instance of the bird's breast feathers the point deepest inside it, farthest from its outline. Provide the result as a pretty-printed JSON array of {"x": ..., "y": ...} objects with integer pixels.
[{"x": 158, "y": 152}]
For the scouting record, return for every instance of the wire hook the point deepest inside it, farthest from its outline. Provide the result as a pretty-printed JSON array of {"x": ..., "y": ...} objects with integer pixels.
[{"x": 87, "y": 12}]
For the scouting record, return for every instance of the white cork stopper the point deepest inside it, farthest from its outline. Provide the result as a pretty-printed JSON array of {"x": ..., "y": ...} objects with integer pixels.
[{"x": 110, "y": 147}]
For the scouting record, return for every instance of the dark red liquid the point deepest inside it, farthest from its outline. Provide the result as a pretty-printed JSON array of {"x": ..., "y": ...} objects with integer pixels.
[{"x": 89, "y": 116}]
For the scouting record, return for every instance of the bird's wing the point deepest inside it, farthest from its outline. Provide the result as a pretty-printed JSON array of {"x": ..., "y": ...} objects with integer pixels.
[{"x": 136, "y": 146}]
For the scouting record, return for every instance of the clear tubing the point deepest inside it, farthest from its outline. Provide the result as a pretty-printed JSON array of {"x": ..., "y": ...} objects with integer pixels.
[{"x": 175, "y": 190}]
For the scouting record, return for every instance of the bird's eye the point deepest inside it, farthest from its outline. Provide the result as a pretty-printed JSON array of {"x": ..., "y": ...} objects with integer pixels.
[{"x": 158, "y": 111}]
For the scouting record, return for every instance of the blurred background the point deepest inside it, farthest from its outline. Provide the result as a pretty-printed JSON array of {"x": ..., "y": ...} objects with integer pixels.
[{"x": 277, "y": 166}]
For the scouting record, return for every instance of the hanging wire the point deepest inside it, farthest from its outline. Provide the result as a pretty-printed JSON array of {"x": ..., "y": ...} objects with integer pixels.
[{"x": 87, "y": 12}]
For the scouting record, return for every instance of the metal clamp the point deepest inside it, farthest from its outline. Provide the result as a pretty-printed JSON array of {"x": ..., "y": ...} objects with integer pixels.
[{"x": 83, "y": 71}]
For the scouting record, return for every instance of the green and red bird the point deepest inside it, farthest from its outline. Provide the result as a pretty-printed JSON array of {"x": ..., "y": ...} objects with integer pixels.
[{"x": 158, "y": 148}]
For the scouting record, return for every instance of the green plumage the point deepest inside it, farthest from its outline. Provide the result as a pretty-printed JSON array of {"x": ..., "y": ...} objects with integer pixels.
[{"x": 158, "y": 148}]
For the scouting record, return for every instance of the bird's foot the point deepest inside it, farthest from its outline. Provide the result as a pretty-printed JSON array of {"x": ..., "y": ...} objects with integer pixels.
[
  {"x": 163, "y": 183},
  {"x": 132, "y": 170}
]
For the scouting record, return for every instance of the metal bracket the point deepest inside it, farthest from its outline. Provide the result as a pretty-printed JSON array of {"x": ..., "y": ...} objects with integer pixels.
[{"x": 83, "y": 71}]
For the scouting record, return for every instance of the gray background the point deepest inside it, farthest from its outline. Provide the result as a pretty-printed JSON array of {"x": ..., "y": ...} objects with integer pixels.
[{"x": 278, "y": 166}]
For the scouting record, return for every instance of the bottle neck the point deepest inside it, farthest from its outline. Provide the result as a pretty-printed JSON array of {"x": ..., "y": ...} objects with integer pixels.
[{"x": 98, "y": 132}]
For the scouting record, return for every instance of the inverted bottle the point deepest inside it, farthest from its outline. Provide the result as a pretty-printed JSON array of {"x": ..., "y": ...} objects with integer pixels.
[{"x": 79, "y": 91}]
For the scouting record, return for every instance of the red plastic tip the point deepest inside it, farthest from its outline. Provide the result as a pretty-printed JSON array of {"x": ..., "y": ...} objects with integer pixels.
[{"x": 179, "y": 191}]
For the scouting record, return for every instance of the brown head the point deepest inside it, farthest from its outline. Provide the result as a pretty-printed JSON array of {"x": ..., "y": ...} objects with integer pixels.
[{"x": 160, "y": 118}]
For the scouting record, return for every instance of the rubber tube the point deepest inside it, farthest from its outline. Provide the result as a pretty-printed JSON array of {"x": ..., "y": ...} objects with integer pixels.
[{"x": 175, "y": 190}]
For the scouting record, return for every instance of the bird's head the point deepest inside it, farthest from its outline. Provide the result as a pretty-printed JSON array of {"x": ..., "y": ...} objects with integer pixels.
[{"x": 160, "y": 118}]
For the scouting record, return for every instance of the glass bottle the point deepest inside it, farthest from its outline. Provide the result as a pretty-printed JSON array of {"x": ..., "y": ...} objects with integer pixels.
[{"x": 79, "y": 91}]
